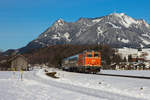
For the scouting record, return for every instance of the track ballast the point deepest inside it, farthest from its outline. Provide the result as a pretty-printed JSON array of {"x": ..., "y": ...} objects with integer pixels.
[{"x": 128, "y": 76}]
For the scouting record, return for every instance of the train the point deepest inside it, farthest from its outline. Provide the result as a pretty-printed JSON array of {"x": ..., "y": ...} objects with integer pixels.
[{"x": 85, "y": 62}]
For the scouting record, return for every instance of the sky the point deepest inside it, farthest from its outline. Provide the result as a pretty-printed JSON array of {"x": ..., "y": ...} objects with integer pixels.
[{"x": 22, "y": 21}]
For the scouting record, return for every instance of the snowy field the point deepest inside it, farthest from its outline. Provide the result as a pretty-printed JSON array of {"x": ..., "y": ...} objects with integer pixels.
[{"x": 71, "y": 86}]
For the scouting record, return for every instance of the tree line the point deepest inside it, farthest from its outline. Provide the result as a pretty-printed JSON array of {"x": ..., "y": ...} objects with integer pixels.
[{"x": 53, "y": 55}]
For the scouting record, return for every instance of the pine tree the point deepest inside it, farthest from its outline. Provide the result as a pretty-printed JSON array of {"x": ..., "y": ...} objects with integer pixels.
[
  {"x": 129, "y": 58},
  {"x": 124, "y": 59}
]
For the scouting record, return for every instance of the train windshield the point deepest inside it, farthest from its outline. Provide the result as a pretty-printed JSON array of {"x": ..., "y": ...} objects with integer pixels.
[
  {"x": 96, "y": 55},
  {"x": 89, "y": 55}
]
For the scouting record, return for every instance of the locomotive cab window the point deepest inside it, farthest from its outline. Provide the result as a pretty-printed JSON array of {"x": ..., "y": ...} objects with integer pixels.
[
  {"x": 89, "y": 55},
  {"x": 96, "y": 55}
]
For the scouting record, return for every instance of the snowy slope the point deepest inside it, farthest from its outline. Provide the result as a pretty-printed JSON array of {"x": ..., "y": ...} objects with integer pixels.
[{"x": 70, "y": 86}]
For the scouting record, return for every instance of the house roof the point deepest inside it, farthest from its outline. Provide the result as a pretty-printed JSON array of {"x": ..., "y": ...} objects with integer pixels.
[{"x": 16, "y": 56}]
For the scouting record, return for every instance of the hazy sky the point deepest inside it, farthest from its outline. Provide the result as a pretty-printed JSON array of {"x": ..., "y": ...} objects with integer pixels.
[{"x": 23, "y": 20}]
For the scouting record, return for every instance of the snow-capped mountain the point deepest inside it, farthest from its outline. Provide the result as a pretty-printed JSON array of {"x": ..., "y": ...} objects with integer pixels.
[{"x": 116, "y": 29}]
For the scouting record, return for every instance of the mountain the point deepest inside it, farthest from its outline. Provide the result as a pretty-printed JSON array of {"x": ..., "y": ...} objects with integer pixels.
[
  {"x": 9, "y": 52},
  {"x": 116, "y": 30}
]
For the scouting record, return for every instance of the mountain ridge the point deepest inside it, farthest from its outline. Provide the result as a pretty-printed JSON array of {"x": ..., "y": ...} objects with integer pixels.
[{"x": 116, "y": 30}]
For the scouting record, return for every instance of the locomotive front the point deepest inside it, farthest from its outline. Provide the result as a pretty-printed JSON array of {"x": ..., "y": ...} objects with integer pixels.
[
  {"x": 90, "y": 61},
  {"x": 93, "y": 59}
]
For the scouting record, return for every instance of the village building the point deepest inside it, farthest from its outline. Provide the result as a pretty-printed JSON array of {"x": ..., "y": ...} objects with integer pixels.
[{"x": 19, "y": 62}]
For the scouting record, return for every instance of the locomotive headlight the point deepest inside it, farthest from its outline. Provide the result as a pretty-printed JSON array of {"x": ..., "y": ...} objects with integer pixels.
[{"x": 93, "y": 61}]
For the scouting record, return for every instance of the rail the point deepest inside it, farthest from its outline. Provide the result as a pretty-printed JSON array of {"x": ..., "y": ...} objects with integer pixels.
[{"x": 129, "y": 76}]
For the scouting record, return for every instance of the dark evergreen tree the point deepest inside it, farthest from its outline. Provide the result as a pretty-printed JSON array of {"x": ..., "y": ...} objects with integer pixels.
[
  {"x": 129, "y": 58},
  {"x": 124, "y": 59},
  {"x": 137, "y": 59}
]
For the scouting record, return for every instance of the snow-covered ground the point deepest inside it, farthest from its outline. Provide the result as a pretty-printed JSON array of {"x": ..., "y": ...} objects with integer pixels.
[{"x": 71, "y": 86}]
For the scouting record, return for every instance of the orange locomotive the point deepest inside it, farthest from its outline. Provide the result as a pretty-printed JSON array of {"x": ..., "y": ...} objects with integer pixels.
[{"x": 88, "y": 61}]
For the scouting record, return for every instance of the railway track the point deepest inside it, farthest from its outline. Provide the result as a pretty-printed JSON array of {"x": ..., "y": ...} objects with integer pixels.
[{"x": 128, "y": 76}]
